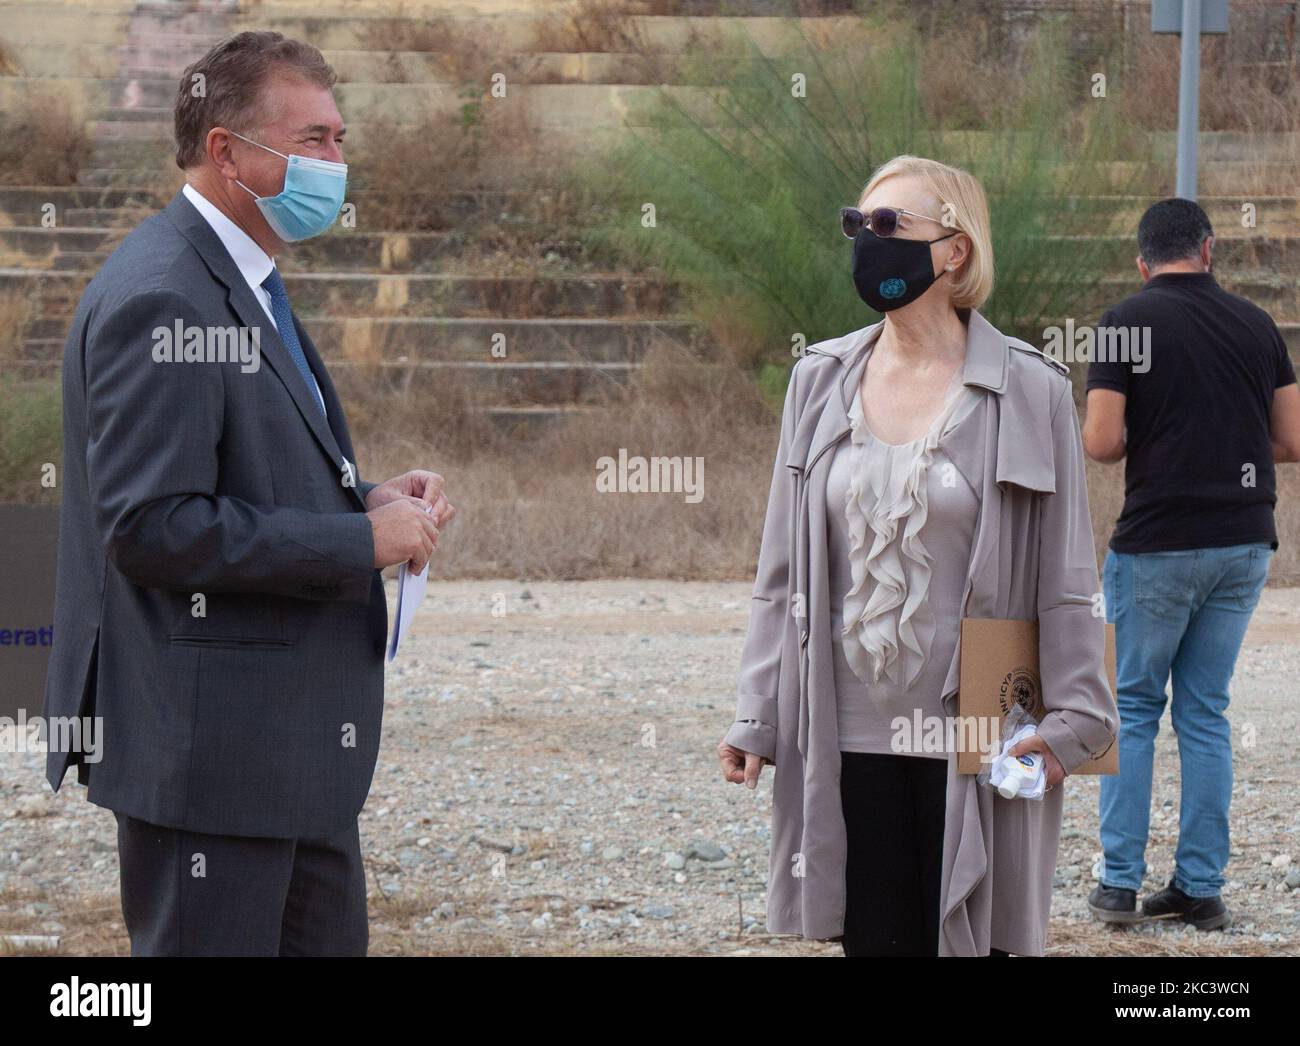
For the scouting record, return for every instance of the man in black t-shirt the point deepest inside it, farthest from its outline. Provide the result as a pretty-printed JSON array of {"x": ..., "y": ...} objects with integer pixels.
[{"x": 1195, "y": 387}]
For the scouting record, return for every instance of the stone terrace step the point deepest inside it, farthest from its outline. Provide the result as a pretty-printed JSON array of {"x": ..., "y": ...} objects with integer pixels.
[
  {"x": 148, "y": 154},
  {"x": 363, "y": 261},
  {"x": 413, "y": 295},
  {"x": 1234, "y": 251},
  {"x": 132, "y": 130},
  {"x": 576, "y": 117},
  {"x": 364, "y": 253},
  {"x": 23, "y": 205},
  {"x": 133, "y": 201},
  {"x": 460, "y": 339},
  {"x": 503, "y": 384},
  {"x": 1279, "y": 295},
  {"x": 341, "y": 251},
  {"x": 522, "y": 422},
  {"x": 1225, "y": 212},
  {"x": 101, "y": 62}
]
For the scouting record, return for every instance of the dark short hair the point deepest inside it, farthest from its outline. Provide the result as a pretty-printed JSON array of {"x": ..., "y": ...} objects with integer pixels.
[
  {"x": 231, "y": 77},
  {"x": 1172, "y": 230}
]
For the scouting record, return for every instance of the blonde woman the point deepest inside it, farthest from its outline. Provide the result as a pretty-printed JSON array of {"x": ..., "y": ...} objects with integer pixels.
[{"x": 929, "y": 468}]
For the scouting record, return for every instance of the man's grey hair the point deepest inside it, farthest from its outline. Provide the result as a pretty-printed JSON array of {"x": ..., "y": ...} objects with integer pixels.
[{"x": 224, "y": 87}]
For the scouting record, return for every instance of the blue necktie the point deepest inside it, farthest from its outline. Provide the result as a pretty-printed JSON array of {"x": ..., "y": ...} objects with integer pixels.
[{"x": 274, "y": 286}]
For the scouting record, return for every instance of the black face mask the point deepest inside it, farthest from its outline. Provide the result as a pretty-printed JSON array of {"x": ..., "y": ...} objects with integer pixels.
[{"x": 890, "y": 272}]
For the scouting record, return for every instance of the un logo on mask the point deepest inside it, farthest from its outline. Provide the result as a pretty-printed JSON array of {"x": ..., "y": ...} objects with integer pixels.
[{"x": 893, "y": 288}]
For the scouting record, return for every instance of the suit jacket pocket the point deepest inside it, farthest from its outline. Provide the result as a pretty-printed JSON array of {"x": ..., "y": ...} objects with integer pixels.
[{"x": 238, "y": 620}]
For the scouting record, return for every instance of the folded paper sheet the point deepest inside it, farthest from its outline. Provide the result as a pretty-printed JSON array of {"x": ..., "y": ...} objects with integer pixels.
[{"x": 410, "y": 594}]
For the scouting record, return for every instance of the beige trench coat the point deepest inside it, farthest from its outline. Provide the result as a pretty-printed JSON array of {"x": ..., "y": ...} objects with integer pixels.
[{"x": 1032, "y": 557}]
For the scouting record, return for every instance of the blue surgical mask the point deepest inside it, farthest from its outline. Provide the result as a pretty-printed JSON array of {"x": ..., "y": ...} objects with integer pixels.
[{"x": 311, "y": 197}]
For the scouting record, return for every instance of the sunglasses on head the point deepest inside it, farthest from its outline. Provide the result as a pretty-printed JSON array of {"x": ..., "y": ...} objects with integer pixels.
[{"x": 883, "y": 221}]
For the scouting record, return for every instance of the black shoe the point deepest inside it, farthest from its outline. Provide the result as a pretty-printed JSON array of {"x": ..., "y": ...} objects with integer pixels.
[
  {"x": 1114, "y": 904},
  {"x": 1205, "y": 913}
]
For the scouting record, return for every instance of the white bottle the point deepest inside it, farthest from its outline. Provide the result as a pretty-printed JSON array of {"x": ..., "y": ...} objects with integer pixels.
[
  {"x": 1020, "y": 771},
  {"x": 1019, "y": 775}
]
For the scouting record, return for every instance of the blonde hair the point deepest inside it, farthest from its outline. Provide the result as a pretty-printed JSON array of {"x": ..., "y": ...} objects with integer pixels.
[{"x": 964, "y": 208}]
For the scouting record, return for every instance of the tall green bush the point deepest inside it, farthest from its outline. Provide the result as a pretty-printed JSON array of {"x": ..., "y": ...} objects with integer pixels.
[{"x": 746, "y": 175}]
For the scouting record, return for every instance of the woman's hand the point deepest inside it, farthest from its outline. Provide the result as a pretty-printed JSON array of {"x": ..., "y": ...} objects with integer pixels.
[
  {"x": 1051, "y": 765},
  {"x": 740, "y": 767}
]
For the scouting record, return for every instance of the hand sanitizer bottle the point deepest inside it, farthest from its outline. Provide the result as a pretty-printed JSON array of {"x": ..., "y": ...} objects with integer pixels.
[
  {"x": 1018, "y": 776},
  {"x": 1022, "y": 771}
]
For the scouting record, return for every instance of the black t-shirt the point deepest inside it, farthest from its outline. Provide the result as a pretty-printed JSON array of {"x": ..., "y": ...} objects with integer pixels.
[{"x": 1199, "y": 469}]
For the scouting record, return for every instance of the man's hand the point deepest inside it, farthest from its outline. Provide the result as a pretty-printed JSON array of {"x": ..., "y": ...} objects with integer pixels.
[
  {"x": 1051, "y": 765},
  {"x": 404, "y": 533},
  {"x": 418, "y": 485},
  {"x": 740, "y": 767}
]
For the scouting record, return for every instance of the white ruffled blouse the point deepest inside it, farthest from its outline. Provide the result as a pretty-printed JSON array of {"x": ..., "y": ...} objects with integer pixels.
[{"x": 889, "y": 625}]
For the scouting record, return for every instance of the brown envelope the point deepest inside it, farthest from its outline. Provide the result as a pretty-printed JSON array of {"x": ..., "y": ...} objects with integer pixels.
[{"x": 999, "y": 665}]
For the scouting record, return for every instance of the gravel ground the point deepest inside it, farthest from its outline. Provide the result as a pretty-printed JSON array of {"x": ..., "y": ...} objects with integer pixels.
[{"x": 548, "y": 784}]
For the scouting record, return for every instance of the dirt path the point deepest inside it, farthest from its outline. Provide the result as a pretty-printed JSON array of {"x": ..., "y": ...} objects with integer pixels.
[{"x": 547, "y": 784}]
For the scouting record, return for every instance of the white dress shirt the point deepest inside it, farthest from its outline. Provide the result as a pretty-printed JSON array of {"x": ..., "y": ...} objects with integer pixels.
[{"x": 254, "y": 264}]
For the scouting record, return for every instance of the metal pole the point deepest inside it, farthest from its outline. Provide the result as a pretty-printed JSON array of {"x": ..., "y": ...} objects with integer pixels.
[{"x": 1189, "y": 85}]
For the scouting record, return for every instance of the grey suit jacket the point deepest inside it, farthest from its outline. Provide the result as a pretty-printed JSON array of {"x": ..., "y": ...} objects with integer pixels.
[{"x": 217, "y": 604}]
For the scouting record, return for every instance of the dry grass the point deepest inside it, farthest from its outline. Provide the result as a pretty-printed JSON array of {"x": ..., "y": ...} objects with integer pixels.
[
  {"x": 9, "y": 65},
  {"x": 458, "y": 55},
  {"x": 485, "y": 143},
  {"x": 529, "y": 507},
  {"x": 95, "y": 927},
  {"x": 603, "y": 27},
  {"x": 15, "y": 314},
  {"x": 590, "y": 27},
  {"x": 42, "y": 142},
  {"x": 955, "y": 81},
  {"x": 1235, "y": 95}
]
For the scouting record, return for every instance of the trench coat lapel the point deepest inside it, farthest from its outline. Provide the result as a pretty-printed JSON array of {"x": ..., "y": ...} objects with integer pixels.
[
  {"x": 818, "y": 430},
  {"x": 1023, "y": 432}
]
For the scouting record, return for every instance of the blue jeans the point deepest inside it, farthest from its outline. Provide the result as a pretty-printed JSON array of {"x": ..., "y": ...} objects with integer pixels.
[{"x": 1182, "y": 613}]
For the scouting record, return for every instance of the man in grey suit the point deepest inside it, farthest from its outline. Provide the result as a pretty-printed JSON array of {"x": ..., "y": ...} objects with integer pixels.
[{"x": 219, "y": 604}]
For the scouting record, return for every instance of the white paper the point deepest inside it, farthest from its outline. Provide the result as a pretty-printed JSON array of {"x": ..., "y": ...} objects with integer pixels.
[{"x": 410, "y": 594}]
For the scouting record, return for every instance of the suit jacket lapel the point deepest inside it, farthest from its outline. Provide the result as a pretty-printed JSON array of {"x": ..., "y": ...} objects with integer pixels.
[
  {"x": 338, "y": 427},
  {"x": 245, "y": 305}
]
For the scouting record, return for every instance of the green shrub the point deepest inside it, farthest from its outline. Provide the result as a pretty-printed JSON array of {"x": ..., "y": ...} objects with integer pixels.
[
  {"x": 31, "y": 435},
  {"x": 746, "y": 179}
]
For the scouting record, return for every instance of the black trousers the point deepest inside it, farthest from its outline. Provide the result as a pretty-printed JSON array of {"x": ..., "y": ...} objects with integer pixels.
[
  {"x": 187, "y": 893},
  {"x": 894, "y": 816}
]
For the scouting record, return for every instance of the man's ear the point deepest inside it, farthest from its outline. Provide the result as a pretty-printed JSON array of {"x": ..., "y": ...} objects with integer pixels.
[
  {"x": 1207, "y": 253},
  {"x": 1143, "y": 270},
  {"x": 220, "y": 152}
]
